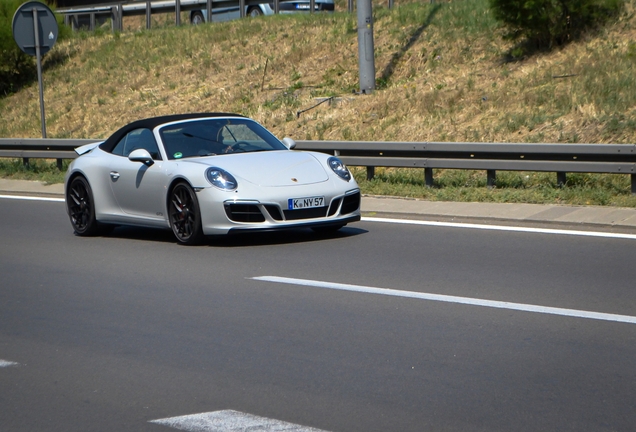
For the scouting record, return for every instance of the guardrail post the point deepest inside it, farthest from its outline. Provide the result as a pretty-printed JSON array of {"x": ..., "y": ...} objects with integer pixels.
[
  {"x": 312, "y": 5},
  {"x": 177, "y": 13},
  {"x": 91, "y": 25},
  {"x": 115, "y": 17},
  {"x": 277, "y": 6},
  {"x": 428, "y": 177},
  {"x": 390, "y": 4},
  {"x": 633, "y": 176},
  {"x": 491, "y": 178},
  {"x": 370, "y": 173},
  {"x": 561, "y": 179},
  {"x": 242, "y": 8},
  {"x": 148, "y": 15},
  {"x": 350, "y": 6},
  {"x": 120, "y": 20},
  {"x": 208, "y": 10}
]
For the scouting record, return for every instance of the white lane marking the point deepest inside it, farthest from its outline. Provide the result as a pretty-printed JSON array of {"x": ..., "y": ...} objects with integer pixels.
[
  {"x": 502, "y": 228},
  {"x": 6, "y": 363},
  {"x": 230, "y": 421},
  {"x": 31, "y": 198},
  {"x": 453, "y": 299}
]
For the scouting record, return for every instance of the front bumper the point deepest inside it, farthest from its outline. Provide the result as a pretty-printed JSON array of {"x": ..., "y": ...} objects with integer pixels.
[
  {"x": 241, "y": 214},
  {"x": 281, "y": 227}
]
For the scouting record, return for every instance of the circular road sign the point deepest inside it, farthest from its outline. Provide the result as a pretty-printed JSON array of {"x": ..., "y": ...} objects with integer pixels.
[{"x": 24, "y": 31}]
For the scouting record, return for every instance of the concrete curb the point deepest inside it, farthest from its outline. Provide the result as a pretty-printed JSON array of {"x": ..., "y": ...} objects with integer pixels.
[
  {"x": 27, "y": 187},
  {"x": 526, "y": 213}
]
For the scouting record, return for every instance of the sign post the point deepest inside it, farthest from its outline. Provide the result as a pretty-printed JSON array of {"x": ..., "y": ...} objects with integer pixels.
[
  {"x": 366, "y": 50},
  {"x": 35, "y": 31}
]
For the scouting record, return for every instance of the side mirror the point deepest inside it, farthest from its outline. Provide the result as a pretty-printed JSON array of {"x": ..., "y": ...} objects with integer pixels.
[
  {"x": 141, "y": 155},
  {"x": 289, "y": 143}
]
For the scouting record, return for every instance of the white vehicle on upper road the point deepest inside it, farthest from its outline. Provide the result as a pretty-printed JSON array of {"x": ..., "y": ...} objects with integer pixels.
[{"x": 231, "y": 13}]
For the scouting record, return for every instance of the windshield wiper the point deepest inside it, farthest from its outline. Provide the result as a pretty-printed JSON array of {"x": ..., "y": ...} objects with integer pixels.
[{"x": 189, "y": 135}]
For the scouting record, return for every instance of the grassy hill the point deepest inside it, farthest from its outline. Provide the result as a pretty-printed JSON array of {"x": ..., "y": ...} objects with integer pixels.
[{"x": 444, "y": 73}]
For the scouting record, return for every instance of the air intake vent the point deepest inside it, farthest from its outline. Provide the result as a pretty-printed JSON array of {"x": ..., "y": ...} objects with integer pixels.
[
  {"x": 244, "y": 213},
  {"x": 274, "y": 212},
  {"x": 334, "y": 206},
  {"x": 351, "y": 203}
]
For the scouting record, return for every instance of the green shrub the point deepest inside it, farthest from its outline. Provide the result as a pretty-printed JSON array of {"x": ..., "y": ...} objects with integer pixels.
[
  {"x": 553, "y": 22},
  {"x": 16, "y": 68}
]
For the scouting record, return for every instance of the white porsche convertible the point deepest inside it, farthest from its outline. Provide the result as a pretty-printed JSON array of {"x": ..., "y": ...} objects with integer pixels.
[{"x": 206, "y": 174}]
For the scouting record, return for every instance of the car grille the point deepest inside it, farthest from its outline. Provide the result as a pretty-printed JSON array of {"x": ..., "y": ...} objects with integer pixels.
[
  {"x": 244, "y": 213},
  {"x": 310, "y": 213}
]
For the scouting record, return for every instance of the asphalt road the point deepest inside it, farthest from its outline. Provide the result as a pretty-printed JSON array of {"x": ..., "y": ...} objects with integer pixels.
[{"x": 110, "y": 333}]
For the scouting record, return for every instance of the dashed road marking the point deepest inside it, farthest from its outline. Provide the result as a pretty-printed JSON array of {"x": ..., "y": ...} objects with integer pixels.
[
  {"x": 7, "y": 363},
  {"x": 230, "y": 421},
  {"x": 453, "y": 299}
]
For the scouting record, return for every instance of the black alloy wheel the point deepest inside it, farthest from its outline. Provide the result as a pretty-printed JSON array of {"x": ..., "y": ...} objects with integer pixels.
[
  {"x": 81, "y": 208},
  {"x": 184, "y": 215},
  {"x": 197, "y": 18},
  {"x": 254, "y": 12}
]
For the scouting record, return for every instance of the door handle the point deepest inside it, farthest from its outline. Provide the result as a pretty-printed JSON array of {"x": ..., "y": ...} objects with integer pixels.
[{"x": 114, "y": 175}]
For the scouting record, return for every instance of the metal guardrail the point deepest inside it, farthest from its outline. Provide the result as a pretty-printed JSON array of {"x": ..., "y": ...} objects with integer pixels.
[
  {"x": 558, "y": 158},
  {"x": 41, "y": 148},
  {"x": 491, "y": 157}
]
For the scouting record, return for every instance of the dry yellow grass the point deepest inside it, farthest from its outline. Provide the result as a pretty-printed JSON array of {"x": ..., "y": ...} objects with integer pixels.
[{"x": 439, "y": 68}]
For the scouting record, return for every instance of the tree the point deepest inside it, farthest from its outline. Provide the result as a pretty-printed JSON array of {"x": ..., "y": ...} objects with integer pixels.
[
  {"x": 547, "y": 23},
  {"x": 16, "y": 68}
]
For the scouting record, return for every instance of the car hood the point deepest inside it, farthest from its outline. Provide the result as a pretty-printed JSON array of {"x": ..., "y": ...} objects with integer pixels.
[{"x": 271, "y": 168}]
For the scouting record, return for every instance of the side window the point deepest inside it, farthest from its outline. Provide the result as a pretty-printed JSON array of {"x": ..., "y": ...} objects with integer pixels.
[{"x": 137, "y": 139}]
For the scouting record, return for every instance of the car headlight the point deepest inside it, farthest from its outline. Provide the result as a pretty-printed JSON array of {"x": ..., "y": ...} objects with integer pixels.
[
  {"x": 339, "y": 168},
  {"x": 221, "y": 178}
]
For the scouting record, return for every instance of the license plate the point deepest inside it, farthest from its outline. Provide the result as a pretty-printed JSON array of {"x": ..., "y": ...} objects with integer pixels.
[
  {"x": 302, "y": 6},
  {"x": 303, "y": 203}
]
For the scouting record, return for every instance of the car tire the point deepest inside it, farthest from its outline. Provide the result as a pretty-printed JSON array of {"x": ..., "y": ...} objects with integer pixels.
[
  {"x": 254, "y": 12},
  {"x": 197, "y": 18},
  {"x": 81, "y": 207},
  {"x": 184, "y": 214}
]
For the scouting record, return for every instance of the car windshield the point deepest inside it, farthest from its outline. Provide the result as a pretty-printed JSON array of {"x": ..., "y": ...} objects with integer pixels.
[{"x": 218, "y": 136}]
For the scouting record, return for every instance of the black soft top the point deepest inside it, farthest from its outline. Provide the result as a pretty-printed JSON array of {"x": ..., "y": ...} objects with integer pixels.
[{"x": 153, "y": 122}]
